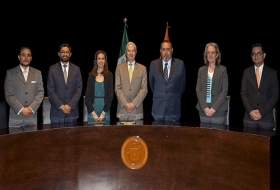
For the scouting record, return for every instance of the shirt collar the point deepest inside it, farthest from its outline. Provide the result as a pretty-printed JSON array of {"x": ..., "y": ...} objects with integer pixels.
[
  {"x": 64, "y": 64},
  {"x": 133, "y": 63},
  {"x": 22, "y": 69}
]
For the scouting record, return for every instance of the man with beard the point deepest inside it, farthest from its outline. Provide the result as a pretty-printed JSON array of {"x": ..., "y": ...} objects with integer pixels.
[
  {"x": 167, "y": 79},
  {"x": 24, "y": 93},
  {"x": 64, "y": 86}
]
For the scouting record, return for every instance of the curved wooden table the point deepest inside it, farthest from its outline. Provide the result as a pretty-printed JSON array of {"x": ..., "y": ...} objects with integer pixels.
[{"x": 178, "y": 158}]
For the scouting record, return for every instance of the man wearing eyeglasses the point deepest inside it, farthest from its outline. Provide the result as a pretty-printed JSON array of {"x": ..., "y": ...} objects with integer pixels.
[
  {"x": 64, "y": 86},
  {"x": 259, "y": 93},
  {"x": 24, "y": 93},
  {"x": 167, "y": 79}
]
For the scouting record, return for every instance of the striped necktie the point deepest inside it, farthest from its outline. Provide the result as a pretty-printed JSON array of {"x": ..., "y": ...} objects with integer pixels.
[{"x": 165, "y": 72}]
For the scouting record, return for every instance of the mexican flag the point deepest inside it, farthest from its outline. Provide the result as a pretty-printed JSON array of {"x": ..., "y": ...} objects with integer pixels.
[{"x": 125, "y": 40}]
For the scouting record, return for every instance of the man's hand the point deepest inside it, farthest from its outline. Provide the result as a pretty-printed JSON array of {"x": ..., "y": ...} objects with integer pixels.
[
  {"x": 129, "y": 107},
  {"x": 255, "y": 115},
  {"x": 26, "y": 111},
  {"x": 65, "y": 108},
  {"x": 94, "y": 115}
]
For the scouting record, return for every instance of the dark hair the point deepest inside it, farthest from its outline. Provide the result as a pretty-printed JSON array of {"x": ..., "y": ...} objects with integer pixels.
[
  {"x": 64, "y": 45},
  {"x": 257, "y": 45},
  {"x": 95, "y": 66},
  {"x": 166, "y": 41},
  {"x": 24, "y": 47}
]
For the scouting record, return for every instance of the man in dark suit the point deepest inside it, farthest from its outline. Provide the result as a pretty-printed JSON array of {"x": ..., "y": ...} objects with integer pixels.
[
  {"x": 259, "y": 93},
  {"x": 64, "y": 87},
  {"x": 167, "y": 79},
  {"x": 24, "y": 93}
]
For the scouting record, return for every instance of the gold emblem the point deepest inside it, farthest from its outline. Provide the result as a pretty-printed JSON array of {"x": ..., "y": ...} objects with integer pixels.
[{"x": 134, "y": 152}]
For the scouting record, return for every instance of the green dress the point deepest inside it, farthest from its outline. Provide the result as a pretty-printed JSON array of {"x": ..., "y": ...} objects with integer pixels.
[{"x": 98, "y": 103}]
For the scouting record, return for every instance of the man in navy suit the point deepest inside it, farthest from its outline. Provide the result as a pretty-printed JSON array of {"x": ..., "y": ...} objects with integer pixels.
[
  {"x": 64, "y": 86},
  {"x": 167, "y": 79},
  {"x": 259, "y": 93}
]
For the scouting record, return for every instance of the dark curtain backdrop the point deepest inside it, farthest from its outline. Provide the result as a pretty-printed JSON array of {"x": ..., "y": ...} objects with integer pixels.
[{"x": 88, "y": 27}]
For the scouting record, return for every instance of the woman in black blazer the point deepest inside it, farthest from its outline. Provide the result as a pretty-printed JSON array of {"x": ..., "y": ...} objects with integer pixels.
[
  {"x": 212, "y": 89},
  {"x": 99, "y": 92}
]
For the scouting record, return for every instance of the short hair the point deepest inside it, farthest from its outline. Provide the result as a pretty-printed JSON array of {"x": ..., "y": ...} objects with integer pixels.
[
  {"x": 24, "y": 47},
  {"x": 131, "y": 43},
  {"x": 215, "y": 45},
  {"x": 95, "y": 66},
  {"x": 166, "y": 41},
  {"x": 64, "y": 45},
  {"x": 257, "y": 45}
]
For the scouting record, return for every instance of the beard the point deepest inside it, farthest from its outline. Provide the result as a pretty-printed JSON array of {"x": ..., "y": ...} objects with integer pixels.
[
  {"x": 25, "y": 64},
  {"x": 64, "y": 59}
]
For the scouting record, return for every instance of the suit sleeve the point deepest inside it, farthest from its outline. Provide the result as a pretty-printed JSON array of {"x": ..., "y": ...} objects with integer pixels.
[
  {"x": 199, "y": 94},
  {"x": 109, "y": 92},
  {"x": 53, "y": 97},
  {"x": 224, "y": 91},
  {"x": 183, "y": 80},
  {"x": 77, "y": 92},
  {"x": 143, "y": 90},
  {"x": 151, "y": 77},
  {"x": 118, "y": 88},
  {"x": 274, "y": 93},
  {"x": 40, "y": 93},
  {"x": 244, "y": 92},
  {"x": 89, "y": 94},
  {"x": 10, "y": 93}
]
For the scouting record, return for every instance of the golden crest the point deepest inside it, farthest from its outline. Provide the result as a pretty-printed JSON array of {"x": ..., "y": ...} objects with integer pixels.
[{"x": 134, "y": 152}]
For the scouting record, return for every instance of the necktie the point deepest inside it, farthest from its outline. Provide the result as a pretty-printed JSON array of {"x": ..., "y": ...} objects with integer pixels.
[
  {"x": 258, "y": 76},
  {"x": 165, "y": 72},
  {"x": 25, "y": 74},
  {"x": 130, "y": 71},
  {"x": 65, "y": 73}
]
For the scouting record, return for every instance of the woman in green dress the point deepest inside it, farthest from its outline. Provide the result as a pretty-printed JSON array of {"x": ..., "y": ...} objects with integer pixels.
[{"x": 99, "y": 92}]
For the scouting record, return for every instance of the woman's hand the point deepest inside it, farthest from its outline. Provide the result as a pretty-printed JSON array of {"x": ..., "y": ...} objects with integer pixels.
[{"x": 94, "y": 115}]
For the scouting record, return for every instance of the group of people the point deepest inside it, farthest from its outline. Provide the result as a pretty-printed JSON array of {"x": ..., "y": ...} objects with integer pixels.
[{"x": 24, "y": 90}]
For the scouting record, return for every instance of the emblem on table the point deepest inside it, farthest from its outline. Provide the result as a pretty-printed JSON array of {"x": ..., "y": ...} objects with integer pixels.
[{"x": 134, "y": 152}]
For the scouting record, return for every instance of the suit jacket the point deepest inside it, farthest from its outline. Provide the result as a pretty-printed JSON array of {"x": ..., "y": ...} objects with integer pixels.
[
  {"x": 167, "y": 94},
  {"x": 219, "y": 89},
  {"x": 263, "y": 98},
  {"x": 108, "y": 92},
  {"x": 19, "y": 93},
  {"x": 134, "y": 91},
  {"x": 60, "y": 93}
]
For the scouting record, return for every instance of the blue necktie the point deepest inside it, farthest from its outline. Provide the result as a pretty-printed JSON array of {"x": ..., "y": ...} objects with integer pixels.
[{"x": 165, "y": 72}]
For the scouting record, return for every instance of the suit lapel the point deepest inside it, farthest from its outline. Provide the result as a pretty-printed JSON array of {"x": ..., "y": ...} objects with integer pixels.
[
  {"x": 125, "y": 71},
  {"x": 30, "y": 75},
  {"x": 172, "y": 69},
  {"x": 134, "y": 71},
  {"x": 216, "y": 73},
  {"x": 252, "y": 74},
  {"x": 20, "y": 74},
  {"x": 161, "y": 68},
  {"x": 59, "y": 70},
  {"x": 265, "y": 73}
]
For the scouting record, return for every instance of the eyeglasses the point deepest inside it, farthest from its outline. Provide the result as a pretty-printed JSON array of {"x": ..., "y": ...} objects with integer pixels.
[
  {"x": 25, "y": 55},
  {"x": 64, "y": 52},
  {"x": 211, "y": 53},
  {"x": 258, "y": 54},
  {"x": 166, "y": 49}
]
